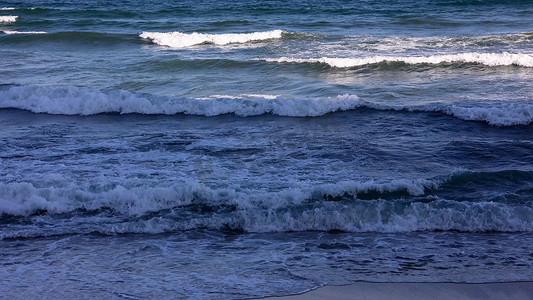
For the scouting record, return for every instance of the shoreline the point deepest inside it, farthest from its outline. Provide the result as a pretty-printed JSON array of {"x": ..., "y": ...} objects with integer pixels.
[{"x": 521, "y": 290}]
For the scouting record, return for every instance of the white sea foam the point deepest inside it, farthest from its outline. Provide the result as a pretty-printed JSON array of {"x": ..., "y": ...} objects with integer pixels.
[
  {"x": 23, "y": 32},
  {"x": 7, "y": 8},
  {"x": 181, "y": 40},
  {"x": 497, "y": 114},
  {"x": 8, "y": 19},
  {"x": 260, "y": 211},
  {"x": 504, "y": 114},
  {"x": 405, "y": 46},
  {"x": 76, "y": 101},
  {"x": 243, "y": 96},
  {"x": 26, "y": 198},
  {"x": 489, "y": 59}
]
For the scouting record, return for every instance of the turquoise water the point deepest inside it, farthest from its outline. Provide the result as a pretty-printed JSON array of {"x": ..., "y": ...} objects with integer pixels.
[{"x": 230, "y": 149}]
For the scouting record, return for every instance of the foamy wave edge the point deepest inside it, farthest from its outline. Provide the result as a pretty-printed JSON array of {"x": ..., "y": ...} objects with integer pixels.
[
  {"x": 76, "y": 101},
  {"x": 182, "y": 40},
  {"x": 85, "y": 102},
  {"x": 488, "y": 59},
  {"x": 254, "y": 211},
  {"x": 23, "y": 32},
  {"x": 8, "y": 19}
]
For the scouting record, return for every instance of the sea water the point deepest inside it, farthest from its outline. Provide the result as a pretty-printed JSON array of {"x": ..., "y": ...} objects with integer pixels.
[{"x": 240, "y": 149}]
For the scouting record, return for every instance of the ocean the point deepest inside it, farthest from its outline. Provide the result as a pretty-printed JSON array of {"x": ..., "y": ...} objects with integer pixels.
[{"x": 244, "y": 149}]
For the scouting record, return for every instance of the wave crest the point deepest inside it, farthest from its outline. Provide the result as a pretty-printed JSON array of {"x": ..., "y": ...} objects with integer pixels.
[
  {"x": 488, "y": 59},
  {"x": 497, "y": 114},
  {"x": 396, "y": 206},
  {"x": 76, "y": 101},
  {"x": 182, "y": 40},
  {"x": 85, "y": 102},
  {"x": 23, "y": 32},
  {"x": 8, "y": 19}
]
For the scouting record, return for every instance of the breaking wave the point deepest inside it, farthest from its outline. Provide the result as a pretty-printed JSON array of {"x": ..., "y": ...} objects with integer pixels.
[
  {"x": 497, "y": 114},
  {"x": 395, "y": 206},
  {"x": 8, "y": 19},
  {"x": 76, "y": 101},
  {"x": 488, "y": 59},
  {"x": 85, "y": 102},
  {"x": 182, "y": 40}
]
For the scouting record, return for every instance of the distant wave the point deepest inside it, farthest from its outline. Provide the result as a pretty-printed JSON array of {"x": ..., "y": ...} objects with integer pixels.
[
  {"x": 353, "y": 206},
  {"x": 23, "y": 32},
  {"x": 84, "y": 102},
  {"x": 489, "y": 59},
  {"x": 8, "y": 19},
  {"x": 182, "y": 40},
  {"x": 7, "y": 8},
  {"x": 76, "y": 37}
]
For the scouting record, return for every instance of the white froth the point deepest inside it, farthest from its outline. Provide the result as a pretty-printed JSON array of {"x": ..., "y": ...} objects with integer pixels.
[
  {"x": 75, "y": 101},
  {"x": 25, "y": 198},
  {"x": 489, "y": 59},
  {"x": 263, "y": 211},
  {"x": 7, "y": 8},
  {"x": 496, "y": 114},
  {"x": 181, "y": 40},
  {"x": 23, "y": 32},
  {"x": 505, "y": 114},
  {"x": 242, "y": 96},
  {"x": 8, "y": 19}
]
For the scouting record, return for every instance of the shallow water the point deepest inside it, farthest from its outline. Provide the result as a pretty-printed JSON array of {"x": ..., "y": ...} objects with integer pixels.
[{"x": 245, "y": 149}]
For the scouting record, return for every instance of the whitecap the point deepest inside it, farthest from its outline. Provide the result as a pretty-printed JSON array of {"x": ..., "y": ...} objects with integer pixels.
[
  {"x": 78, "y": 101},
  {"x": 262, "y": 211},
  {"x": 23, "y": 32},
  {"x": 182, "y": 40},
  {"x": 8, "y": 19},
  {"x": 489, "y": 59}
]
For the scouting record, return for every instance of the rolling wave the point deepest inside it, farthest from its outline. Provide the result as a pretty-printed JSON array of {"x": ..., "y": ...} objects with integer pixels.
[
  {"x": 488, "y": 59},
  {"x": 85, "y": 102},
  {"x": 76, "y": 101},
  {"x": 182, "y": 40},
  {"x": 75, "y": 37},
  {"x": 395, "y": 206}
]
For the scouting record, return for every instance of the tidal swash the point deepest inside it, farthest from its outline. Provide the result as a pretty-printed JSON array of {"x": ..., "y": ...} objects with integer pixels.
[{"x": 241, "y": 149}]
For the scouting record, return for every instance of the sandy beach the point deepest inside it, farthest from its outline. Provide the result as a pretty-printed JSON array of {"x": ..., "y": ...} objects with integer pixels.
[{"x": 420, "y": 291}]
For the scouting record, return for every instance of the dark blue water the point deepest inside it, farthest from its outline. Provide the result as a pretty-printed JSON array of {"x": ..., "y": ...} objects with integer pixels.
[{"x": 230, "y": 149}]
